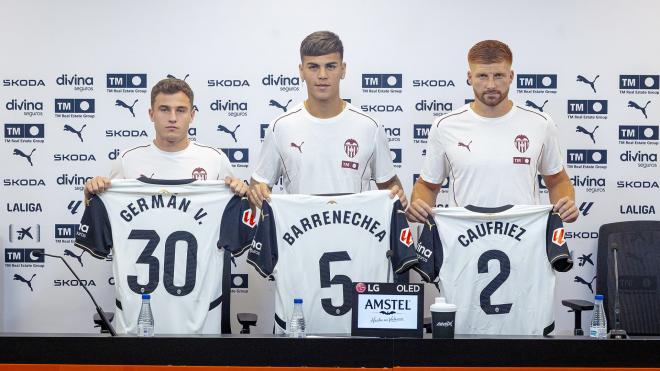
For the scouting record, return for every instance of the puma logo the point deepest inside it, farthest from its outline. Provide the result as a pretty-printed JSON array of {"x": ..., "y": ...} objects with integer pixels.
[
  {"x": 232, "y": 133},
  {"x": 174, "y": 77},
  {"x": 637, "y": 106},
  {"x": 461, "y": 144},
  {"x": 582, "y": 281},
  {"x": 275, "y": 103},
  {"x": 121, "y": 103},
  {"x": 70, "y": 253},
  {"x": 18, "y": 277},
  {"x": 529, "y": 103},
  {"x": 77, "y": 132},
  {"x": 583, "y": 79},
  {"x": 24, "y": 232},
  {"x": 18, "y": 152},
  {"x": 299, "y": 147},
  {"x": 332, "y": 202},
  {"x": 429, "y": 224},
  {"x": 582, "y": 130},
  {"x": 584, "y": 259}
]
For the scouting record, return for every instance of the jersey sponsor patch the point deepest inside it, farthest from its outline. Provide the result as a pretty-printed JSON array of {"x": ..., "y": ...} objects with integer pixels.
[
  {"x": 349, "y": 165},
  {"x": 558, "y": 236},
  {"x": 522, "y": 160}
]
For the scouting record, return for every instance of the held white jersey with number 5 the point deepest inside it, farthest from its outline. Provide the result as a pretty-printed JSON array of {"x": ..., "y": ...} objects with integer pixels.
[
  {"x": 496, "y": 265},
  {"x": 315, "y": 247},
  {"x": 168, "y": 239}
]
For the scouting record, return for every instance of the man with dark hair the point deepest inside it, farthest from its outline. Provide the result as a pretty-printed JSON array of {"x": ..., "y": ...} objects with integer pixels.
[
  {"x": 324, "y": 145},
  {"x": 491, "y": 149},
  {"x": 171, "y": 155}
]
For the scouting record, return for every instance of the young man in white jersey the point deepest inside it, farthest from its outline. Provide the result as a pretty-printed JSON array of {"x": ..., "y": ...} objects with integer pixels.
[
  {"x": 324, "y": 145},
  {"x": 171, "y": 155},
  {"x": 491, "y": 149}
]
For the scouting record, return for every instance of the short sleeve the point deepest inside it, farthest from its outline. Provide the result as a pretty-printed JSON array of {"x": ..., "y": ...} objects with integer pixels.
[
  {"x": 94, "y": 234},
  {"x": 401, "y": 241},
  {"x": 225, "y": 167},
  {"x": 117, "y": 169},
  {"x": 263, "y": 252},
  {"x": 551, "y": 161},
  {"x": 269, "y": 166},
  {"x": 237, "y": 227},
  {"x": 556, "y": 247},
  {"x": 429, "y": 251},
  {"x": 381, "y": 165},
  {"x": 435, "y": 166}
]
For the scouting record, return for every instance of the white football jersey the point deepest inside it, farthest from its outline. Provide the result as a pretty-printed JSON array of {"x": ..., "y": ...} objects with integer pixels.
[
  {"x": 315, "y": 247},
  {"x": 168, "y": 239},
  {"x": 196, "y": 161},
  {"x": 341, "y": 154},
  {"x": 496, "y": 265},
  {"x": 492, "y": 161}
]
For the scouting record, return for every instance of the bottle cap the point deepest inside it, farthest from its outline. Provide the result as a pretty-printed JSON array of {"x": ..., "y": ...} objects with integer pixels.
[
  {"x": 600, "y": 297},
  {"x": 297, "y": 301},
  {"x": 441, "y": 305},
  {"x": 146, "y": 296}
]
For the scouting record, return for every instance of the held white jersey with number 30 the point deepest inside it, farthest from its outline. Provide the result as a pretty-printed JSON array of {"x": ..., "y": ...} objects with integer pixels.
[
  {"x": 315, "y": 247},
  {"x": 168, "y": 239},
  {"x": 496, "y": 265}
]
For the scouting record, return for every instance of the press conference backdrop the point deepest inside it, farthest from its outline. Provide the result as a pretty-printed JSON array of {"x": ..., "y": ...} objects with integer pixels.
[{"x": 76, "y": 77}]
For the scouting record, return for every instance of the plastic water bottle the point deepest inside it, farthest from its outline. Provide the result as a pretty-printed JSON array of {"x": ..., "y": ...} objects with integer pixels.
[
  {"x": 297, "y": 321},
  {"x": 145, "y": 325},
  {"x": 598, "y": 328}
]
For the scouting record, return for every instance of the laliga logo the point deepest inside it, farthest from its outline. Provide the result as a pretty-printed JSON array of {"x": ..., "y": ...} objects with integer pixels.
[
  {"x": 558, "y": 236},
  {"x": 248, "y": 218},
  {"x": 406, "y": 236}
]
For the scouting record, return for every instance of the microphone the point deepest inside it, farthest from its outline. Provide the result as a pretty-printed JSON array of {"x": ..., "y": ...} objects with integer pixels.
[
  {"x": 389, "y": 254},
  {"x": 106, "y": 323},
  {"x": 616, "y": 332}
]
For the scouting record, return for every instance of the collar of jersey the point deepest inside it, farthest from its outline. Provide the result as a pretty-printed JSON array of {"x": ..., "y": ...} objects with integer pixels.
[
  {"x": 330, "y": 120},
  {"x": 144, "y": 179},
  {"x": 487, "y": 210},
  {"x": 493, "y": 120}
]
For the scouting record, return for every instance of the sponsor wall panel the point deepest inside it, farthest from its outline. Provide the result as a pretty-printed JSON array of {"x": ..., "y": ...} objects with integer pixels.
[{"x": 66, "y": 120}]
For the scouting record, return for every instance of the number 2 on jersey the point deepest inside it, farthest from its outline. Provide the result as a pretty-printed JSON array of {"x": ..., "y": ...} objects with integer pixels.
[
  {"x": 147, "y": 258},
  {"x": 487, "y": 292}
]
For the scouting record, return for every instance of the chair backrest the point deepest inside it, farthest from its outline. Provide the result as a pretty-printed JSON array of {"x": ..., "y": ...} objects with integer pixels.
[{"x": 638, "y": 245}]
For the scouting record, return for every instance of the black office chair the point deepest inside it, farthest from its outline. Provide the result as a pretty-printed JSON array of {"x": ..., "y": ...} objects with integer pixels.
[{"x": 638, "y": 245}]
